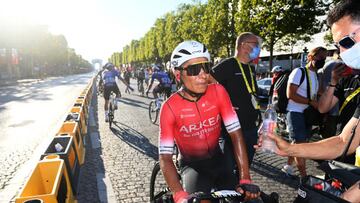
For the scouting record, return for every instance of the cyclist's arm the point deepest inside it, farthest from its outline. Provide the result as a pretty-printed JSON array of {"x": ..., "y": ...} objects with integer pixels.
[
  {"x": 123, "y": 81},
  {"x": 150, "y": 85},
  {"x": 240, "y": 153},
  {"x": 166, "y": 147},
  {"x": 170, "y": 173}
]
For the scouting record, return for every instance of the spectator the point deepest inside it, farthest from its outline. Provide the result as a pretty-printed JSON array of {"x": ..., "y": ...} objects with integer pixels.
[
  {"x": 237, "y": 75},
  {"x": 299, "y": 132}
]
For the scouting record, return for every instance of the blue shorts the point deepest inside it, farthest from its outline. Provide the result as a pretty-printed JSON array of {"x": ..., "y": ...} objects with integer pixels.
[{"x": 298, "y": 131}]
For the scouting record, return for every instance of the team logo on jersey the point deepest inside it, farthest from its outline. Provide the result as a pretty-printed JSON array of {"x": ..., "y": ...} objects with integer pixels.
[{"x": 207, "y": 123}]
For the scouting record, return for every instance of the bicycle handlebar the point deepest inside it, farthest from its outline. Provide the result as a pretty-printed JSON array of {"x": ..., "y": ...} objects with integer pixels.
[
  {"x": 221, "y": 194},
  {"x": 231, "y": 195}
]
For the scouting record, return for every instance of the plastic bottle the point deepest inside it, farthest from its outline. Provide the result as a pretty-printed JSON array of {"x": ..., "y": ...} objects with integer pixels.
[
  {"x": 268, "y": 127},
  {"x": 58, "y": 147}
]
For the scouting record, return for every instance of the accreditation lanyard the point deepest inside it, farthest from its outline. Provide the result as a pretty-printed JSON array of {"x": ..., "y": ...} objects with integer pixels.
[
  {"x": 348, "y": 98},
  {"x": 310, "y": 81},
  {"x": 250, "y": 90}
]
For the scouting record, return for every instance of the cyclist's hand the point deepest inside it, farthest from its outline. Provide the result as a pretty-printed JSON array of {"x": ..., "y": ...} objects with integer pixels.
[
  {"x": 181, "y": 197},
  {"x": 251, "y": 191}
]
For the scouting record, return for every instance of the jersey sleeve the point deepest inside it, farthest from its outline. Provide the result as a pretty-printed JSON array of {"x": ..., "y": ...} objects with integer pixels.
[
  {"x": 230, "y": 118},
  {"x": 166, "y": 132},
  {"x": 295, "y": 76}
]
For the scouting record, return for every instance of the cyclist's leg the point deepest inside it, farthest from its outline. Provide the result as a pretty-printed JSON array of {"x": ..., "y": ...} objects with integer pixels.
[
  {"x": 107, "y": 91},
  {"x": 227, "y": 179},
  {"x": 195, "y": 181},
  {"x": 156, "y": 91}
]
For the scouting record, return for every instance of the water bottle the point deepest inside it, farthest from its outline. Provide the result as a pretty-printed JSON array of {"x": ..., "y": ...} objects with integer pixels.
[
  {"x": 58, "y": 147},
  {"x": 267, "y": 128}
]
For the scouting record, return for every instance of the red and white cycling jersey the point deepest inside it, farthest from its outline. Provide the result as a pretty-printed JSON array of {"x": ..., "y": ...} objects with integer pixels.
[{"x": 195, "y": 126}]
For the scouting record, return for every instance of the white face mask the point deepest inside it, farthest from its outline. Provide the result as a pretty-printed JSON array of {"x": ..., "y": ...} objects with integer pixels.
[{"x": 351, "y": 57}]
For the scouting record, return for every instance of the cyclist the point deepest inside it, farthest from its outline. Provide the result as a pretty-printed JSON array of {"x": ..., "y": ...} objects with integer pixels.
[
  {"x": 109, "y": 79},
  {"x": 140, "y": 80},
  {"x": 192, "y": 118},
  {"x": 163, "y": 86}
]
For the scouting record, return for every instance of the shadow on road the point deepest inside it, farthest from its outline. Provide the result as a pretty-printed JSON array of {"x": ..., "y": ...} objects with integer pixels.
[
  {"x": 135, "y": 139},
  {"x": 135, "y": 103},
  {"x": 265, "y": 167}
]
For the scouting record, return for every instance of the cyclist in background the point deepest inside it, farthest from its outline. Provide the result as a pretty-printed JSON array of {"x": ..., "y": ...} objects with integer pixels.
[
  {"x": 163, "y": 86},
  {"x": 192, "y": 118},
  {"x": 109, "y": 79}
]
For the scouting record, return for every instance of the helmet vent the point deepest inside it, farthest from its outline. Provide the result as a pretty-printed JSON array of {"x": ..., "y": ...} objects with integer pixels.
[
  {"x": 184, "y": 52},
  {"x": 176, "y": 56},
  {"x": 204, "y": 49}
]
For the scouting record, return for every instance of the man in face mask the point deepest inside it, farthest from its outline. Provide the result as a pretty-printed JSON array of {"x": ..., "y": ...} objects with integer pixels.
[
  {"x": 237, "y": 75},
  {"x": 297, "y": 92},
  {"x": 344, "y": 87}
]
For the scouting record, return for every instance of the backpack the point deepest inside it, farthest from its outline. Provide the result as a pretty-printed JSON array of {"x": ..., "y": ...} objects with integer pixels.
[{"x": 280, "y": 101}]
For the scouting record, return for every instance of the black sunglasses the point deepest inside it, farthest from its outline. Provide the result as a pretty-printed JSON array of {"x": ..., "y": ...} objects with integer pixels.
[
  {"x": 194, "y": 69},
  {"x": 348, "y": 41}
]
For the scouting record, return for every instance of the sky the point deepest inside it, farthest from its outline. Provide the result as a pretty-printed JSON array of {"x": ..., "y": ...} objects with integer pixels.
[{"x": 94, "y": 28}]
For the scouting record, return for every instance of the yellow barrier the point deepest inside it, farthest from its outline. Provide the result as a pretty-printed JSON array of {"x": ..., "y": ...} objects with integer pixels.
[
  {"x": 49, "y": 182},
  {"x": 64, "y": 147},
  {"x": 77, "y": 114},
  {"x": 72, "y": 129},
  {"x": 81, "y": 103}
]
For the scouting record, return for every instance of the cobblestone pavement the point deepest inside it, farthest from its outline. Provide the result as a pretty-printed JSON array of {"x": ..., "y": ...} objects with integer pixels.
[{"x": 127, "y": 152}]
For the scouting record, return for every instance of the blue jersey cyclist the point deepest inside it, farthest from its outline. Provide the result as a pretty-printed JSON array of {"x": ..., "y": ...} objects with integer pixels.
[
  {"x": 164, "y": 84},
  {"x": 109, "y": 76}
]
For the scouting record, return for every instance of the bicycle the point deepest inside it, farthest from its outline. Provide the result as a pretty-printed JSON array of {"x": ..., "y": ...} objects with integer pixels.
[
  {"x": 153, "y": 110},
  {"x": 160, "y": 192},
  {"x": 111, "y": 108}
]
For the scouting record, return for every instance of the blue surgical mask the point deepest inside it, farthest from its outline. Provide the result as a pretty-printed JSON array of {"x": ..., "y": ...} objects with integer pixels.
[
  {"x": 254, "y": 53},
  {"x": 351, "y": 57}
]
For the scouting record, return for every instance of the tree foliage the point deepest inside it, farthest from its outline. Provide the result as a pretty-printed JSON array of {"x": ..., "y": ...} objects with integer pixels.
[{"x": 280, "y": 23}]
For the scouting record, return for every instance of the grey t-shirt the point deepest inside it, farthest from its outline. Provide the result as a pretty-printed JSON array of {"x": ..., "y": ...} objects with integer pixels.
[{"x": 324, "y": 79}]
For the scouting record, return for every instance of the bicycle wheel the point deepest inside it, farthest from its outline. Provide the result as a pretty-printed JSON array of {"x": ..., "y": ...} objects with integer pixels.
[
  {"x": 111, "y": 115},
  {"x": 159, "y": 192},
  {"x": 153, "y": 112}
]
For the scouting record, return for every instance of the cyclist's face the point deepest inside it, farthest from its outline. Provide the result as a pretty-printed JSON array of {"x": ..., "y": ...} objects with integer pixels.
[{"x": 197, "y": 83}]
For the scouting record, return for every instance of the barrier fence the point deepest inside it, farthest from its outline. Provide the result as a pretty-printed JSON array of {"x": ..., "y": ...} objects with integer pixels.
[{"x": 55, "y": 178}]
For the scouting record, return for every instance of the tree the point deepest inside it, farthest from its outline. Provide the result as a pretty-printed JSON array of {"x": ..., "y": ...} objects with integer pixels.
[
  {"x": 218, "y": 27},
  {"x": 274, "y": 19}
]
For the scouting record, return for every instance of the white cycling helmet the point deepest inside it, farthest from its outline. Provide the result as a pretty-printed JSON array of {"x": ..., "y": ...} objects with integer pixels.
[
  {"x": 188, "y": 50},
  {"x": 277, "y": 69}
]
